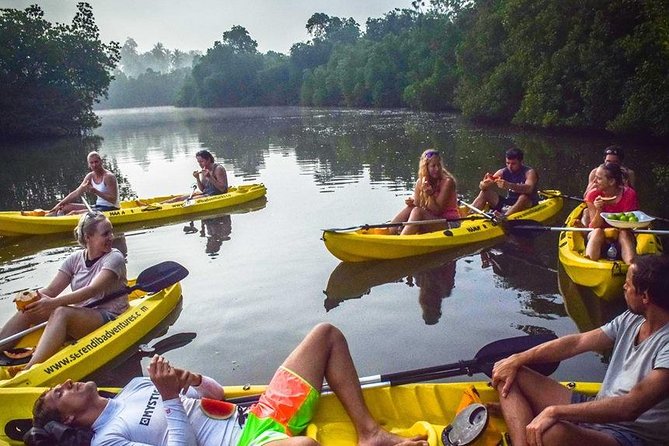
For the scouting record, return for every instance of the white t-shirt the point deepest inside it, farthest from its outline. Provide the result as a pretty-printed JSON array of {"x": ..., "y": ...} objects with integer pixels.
[
  {"x": 631, "y": 363},
  {"x": 80, "y": 276},
  {"x": 139, "y": 416}
]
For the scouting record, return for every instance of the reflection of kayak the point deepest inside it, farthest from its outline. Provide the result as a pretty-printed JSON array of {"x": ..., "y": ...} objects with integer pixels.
[
  {"x": 605, "y": 277},
  {"x": 374, "y": 244},
  {"x": 408, "y": 410},
  {"x": 352, "y": 280},
  {"x": 94, "y": 350},
  {"x": 586, "y": 309},
  {"x": 132, "y": 211}
]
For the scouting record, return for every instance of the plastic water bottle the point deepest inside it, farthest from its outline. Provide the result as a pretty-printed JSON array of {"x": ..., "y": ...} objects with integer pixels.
[{"x": 612, "y": 252}]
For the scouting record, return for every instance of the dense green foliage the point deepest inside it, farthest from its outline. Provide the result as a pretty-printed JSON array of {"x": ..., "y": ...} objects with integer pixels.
[
  {"x": 51, "y": 75},
  {"x": 572, "y": 64},
  {"x": 577, "y": 64}
]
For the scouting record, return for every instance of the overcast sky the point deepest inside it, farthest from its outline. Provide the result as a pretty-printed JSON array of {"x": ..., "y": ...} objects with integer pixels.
[{"x": 196, "y": 24}]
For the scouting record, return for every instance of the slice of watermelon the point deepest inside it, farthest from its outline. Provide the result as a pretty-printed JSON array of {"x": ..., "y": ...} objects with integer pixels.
[{"x": 217, "y": 409}]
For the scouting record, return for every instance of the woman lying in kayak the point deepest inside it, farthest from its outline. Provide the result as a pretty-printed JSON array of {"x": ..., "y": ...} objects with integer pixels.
[
  {"x": 609, "y": 195},
  {"x": 92, "y": 273},
  {"x": 434, "y": 197},
  {"x": 178, "y": 407},
  {"x": 212, "y": 178}
]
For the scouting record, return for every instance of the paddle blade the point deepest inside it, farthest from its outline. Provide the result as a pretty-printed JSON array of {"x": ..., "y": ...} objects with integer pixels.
[
  {"x": 486, "y": 357},
  {"x": 160, "y": 276}
]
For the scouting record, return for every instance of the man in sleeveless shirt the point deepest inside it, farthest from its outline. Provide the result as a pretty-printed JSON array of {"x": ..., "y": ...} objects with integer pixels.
[
  {"x": 98, "y": 181},
  {"x": 632, "y": 405},
  {"x": 510, "y": 189}
]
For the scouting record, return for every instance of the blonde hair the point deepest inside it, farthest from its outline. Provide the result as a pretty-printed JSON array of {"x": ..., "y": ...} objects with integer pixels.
[
  {"x": 423, "y": 173},
  {"x": 87, "y": 225}
]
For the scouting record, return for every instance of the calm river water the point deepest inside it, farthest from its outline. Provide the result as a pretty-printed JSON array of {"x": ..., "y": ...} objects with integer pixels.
[{"x": 260, "y": 275}]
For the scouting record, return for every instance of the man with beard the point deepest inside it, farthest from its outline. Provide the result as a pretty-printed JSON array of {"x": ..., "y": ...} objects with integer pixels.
[{"x": 632, "y": 406}]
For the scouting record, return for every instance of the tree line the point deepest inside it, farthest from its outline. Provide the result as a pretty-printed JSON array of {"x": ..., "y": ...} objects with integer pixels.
[{"x": 573, "y": 64}]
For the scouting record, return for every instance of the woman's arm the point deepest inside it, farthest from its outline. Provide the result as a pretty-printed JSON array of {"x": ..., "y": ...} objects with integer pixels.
[{"x": 446, "y": 190}]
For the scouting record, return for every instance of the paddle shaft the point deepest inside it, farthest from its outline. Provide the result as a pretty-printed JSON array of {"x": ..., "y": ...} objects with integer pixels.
[
  {"x": 581, "y": 200},
  {"x": 15, "y": 337},
  {"x": 478, "y": 211},
  {"x": 482, "y": 362},
  {"x": 168, "y": 274},
  {"x": 529, "y": 227},
  {"x": 401, "y": 223}
]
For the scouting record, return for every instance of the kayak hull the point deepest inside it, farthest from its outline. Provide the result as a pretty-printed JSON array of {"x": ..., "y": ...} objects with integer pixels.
[
  {"x": 604, "y": 277},
  {"x": 13, "y": 223},
  {"x": 88, "y": 354},
  {"x": 364, "y": 245},
  {"x": 408, "y": 410}
]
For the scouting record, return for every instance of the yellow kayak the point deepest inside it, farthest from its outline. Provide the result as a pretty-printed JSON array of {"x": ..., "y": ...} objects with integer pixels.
[
  {"x": 377, "y": 244},
  {"x": 14, "y": 223},
  {"x": 81, "y": 358},
  {"x": 408, "y": 410},
  {"x": 605, "y": 277}
]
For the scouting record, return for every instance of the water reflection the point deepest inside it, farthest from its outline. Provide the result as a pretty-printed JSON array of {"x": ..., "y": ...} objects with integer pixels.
[
  {"x": 435, "y": 285},
  {"x": 518, "y": 263},
  {"x": 216, "y": 230},
  {"x": 433, "y": 275},
  {"x": 584, "y": 307}
]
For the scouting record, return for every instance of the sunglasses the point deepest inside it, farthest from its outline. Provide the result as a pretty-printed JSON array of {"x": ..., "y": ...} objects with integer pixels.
[
  {"x": 430, "y": 153},
  {"x": 611, "y": 152}
]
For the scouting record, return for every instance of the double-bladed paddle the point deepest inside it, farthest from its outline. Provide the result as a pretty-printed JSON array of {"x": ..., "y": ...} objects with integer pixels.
[
  {"x": 483, "y": 362},
  {"x": 151, "y": 280},
  {"x": 524, "y": 227}
]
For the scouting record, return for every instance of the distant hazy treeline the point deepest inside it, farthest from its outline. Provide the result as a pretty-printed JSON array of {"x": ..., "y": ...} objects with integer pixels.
[
  {"x": 581, "y": 64},
  {"x": 576, "y": 64}
]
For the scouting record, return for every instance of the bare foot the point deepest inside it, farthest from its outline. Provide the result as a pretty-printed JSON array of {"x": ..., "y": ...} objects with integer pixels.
[{"x": 382, "y": 437}]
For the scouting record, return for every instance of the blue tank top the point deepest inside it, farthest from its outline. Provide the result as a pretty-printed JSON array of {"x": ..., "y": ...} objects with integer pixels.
[{"x": 518, "y": 178}]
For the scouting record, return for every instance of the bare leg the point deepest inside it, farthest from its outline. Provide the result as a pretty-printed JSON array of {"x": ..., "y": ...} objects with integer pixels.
[
  {"x": 403, "y": 215},
  {"x": 17, "y": 323},
  {"x": 324, "y": 353},
  {"x": 627, "y": 245},
  {"x": 64, "y": 321},
  {"x": 484, "y": 197},
  {"x": 596, "y": 240},
  {"x": 418, "y": 214},
  {"x": 530, "y": 394},
  {"x": 523, "y": 202}
]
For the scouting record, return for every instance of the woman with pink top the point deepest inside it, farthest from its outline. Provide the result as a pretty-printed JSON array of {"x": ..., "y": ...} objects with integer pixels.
[
  {"x": 434, "y": 197},
  {"x": 610, "y": 195}
]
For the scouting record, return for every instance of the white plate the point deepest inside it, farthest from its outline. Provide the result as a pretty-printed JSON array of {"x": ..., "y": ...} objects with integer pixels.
[{"x": 644, "y": 220}]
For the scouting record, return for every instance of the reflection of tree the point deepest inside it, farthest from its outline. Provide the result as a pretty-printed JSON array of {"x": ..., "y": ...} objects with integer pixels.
[{"x": 44, "y": 171}]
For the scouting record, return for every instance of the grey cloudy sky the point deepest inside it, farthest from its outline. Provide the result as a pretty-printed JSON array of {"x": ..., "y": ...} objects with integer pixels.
[{"x": 196, "y": 24}]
